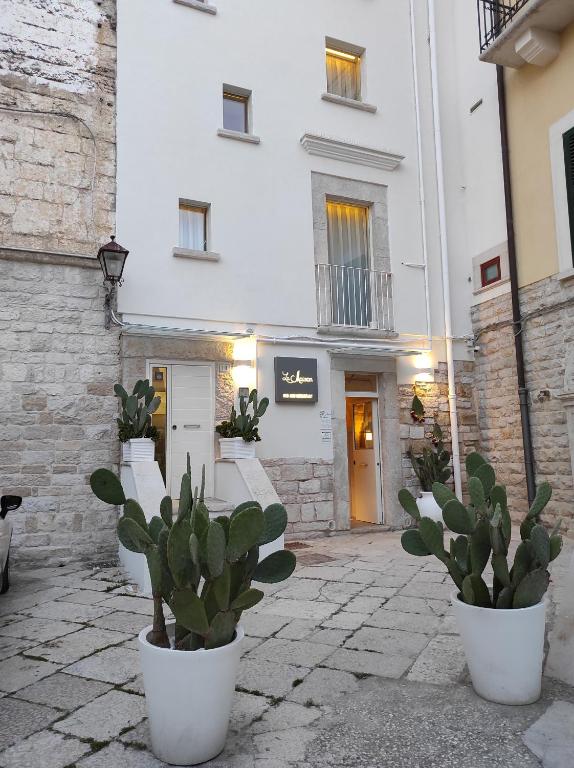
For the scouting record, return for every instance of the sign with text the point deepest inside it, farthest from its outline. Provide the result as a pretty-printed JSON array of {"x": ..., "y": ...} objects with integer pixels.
[{"x": 296, "y": 380}]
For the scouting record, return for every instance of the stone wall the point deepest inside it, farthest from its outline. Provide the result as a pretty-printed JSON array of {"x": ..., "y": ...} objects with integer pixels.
[
  {"x": 305, "y": 487},
  {"x": 57, "y": 201},
  {"x": 549, "y": 356}
]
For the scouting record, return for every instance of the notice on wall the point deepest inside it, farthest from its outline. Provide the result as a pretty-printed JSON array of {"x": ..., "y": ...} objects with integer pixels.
[
  {"x": 326, "y": 419},
  {"x": 326, "y": 436},
  {"x": 296, "y": 380}
]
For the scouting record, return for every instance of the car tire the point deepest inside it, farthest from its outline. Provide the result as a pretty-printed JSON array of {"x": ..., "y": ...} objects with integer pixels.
[{"x": 5, "y": 578}]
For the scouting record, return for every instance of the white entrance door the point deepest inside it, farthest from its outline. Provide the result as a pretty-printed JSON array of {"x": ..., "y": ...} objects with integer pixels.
[
  {"x": 364, "y": 461},
  {"x": 191, "y": 425}
]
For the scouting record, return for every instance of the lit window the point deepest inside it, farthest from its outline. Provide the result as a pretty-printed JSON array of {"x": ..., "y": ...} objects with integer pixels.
[
  {"x": 236, "y": 112},
  {"x": 490, "y": 272},
  {"x": 192, "y": 227},
  {"x": 343, "y": 73}
]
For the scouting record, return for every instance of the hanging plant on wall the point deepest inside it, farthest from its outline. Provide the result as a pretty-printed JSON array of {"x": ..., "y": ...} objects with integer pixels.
[{"x": 417, "y": 410}]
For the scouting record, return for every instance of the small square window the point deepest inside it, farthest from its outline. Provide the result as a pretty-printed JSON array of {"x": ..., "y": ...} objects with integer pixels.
[
  {"x": 192, "y": 227},
  {"x": 490, "y": 272},
  {"x": 343, "y": 73},
  {"x": 235, "y": 112}
]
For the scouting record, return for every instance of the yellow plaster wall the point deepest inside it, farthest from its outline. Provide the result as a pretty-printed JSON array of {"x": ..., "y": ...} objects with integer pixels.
[{"x": 536, "y": 98}]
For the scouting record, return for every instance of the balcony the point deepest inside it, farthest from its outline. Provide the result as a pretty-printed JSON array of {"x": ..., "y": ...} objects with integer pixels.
[
  {"x": 515, "y": 32},
  {"x": 354, "y": 298}
]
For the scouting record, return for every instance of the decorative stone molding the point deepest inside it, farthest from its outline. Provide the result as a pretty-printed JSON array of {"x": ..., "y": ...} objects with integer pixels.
[
  {"x": 190, "y": 253},
  {"x": 538, "y": 46},
  {"x": 249, "y": 138},
  {"x": 348, "y": 152},
  {"x": 199, "y": 5},
  {"x": 345, "y": 102}
]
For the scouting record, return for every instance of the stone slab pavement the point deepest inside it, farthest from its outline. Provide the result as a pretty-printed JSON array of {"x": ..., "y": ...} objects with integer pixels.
[{"x": 354, "y": 662}]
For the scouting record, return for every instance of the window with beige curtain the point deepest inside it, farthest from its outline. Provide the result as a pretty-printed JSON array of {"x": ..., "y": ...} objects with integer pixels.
[
  {"x": 192, "y": 227},
  {"x": 343, "y": 74},
  {"x": 348, "y": 244}
]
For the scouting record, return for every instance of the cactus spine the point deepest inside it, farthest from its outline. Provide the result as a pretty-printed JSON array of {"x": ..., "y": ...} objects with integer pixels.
[
  {"x": 201, "y": 568},
  {"x": 484, "y": 533}
]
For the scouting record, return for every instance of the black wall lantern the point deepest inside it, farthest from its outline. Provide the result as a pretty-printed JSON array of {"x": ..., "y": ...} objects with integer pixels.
[{"x": 112, "y": 258}]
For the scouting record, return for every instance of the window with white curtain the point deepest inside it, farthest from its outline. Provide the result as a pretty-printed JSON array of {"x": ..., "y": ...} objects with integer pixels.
[
  {"x": 349, "y": 260},
  {"x": 343, "y": 73},
  {"x": 192, "y": 227}
]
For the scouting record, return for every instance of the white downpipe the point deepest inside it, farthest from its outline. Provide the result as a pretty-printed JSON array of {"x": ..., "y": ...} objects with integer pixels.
[
  {"x": 422, "y": 201},
  {"x": 444, "y": 250}
]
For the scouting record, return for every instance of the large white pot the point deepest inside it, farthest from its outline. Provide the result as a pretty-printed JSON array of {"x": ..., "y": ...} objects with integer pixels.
[
  {"x": 504, "y": 650},
  {"x": 189, "y": 696},
  {"x": 138, "y": 449},
  {"x": 236, "y": 448},
  {"x": 428, "y": 506}
]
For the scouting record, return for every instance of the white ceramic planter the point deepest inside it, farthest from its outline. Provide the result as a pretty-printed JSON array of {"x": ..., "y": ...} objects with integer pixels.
[
  {"x": 236, "y": 448},
  {"x": 189, "y": 696},
  {"x": 138, "y": 449},
  {"x": 504, "y": 650},
  {"x": 428, "y": 506}
]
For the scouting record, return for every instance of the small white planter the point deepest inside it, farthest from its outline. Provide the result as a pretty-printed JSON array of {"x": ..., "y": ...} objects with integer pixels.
[
  {"x": 138, "y": 449},
  {"x": 504, "y": 650},
  {"x": 236, "y": 448},
  {"x": 189, "y": 696},
  {"x": 428, "y": 506}
]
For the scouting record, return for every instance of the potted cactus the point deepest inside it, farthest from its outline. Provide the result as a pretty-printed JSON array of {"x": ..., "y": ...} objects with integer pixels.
[
  {"x": 202, "y": 570},
  {"x": 135, "y": 430},
  {"x": 502, "y": 625},
  {"x": 238, "y": 435}
]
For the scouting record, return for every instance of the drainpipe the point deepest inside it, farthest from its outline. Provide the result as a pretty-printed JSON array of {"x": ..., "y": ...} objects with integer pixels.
[
  {"x": 516, "y": 315},
  {"x": 444, "y": 250}
]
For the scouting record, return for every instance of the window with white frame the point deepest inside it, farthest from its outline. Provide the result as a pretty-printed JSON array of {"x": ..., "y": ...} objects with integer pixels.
[
  {"x": 343, "y": 71},
  {"x": 193, "y": 226}
]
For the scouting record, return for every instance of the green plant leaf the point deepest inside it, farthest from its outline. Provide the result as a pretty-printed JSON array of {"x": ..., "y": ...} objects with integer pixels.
[
  {"x": 475, "y": 591},
  {"x": 461, "y": 552},
  {"x": 166, "y": 511},
  {"x": 500, "y": 568},
  {"x": 473, "y": 462},
  {"x": 418, "y": 408},
  {"x": 555, "y": 546},
  {"x": 189, "y": 611},
  {"x": 455, "y": 571},
  {"x": 543, "y": 494},
  {"x": 178, "y": 553},
  {"x": 457, "y": 517},
  {"x": 480, "y": 546},
  {"x": 504, "y": 601},
  {"x": 221, "y": 588},
  {"x": 485, "y": 473},
  {"x": 413, "y": 543},
  {"x": 215, "y": 547},
  {"x": 277, "y": 566},
  {"x": 522, "y": 562},
  {"x": 540, "y": 541},
  {"x": 245, "y": 505},
  {"x": 275, "y": 523},
  {"x": 432, "y": 536},
  {"x": 107, "y": 487},
  {"x": 409, "y": 504},
  {"x": 120, "y": 392},
  {"x": 531, "y": 589},
  {"x": 245, "y": 529},
  {"x": 133, "y": 537},
  {"x": 155, "y": 527},
  {"x": 221, "y": 631},
  {"x": 247, "y": 599},
  {"x": 476, "y": 491},
  {"x": 442, "y": 494},
  {"x": 185, "y": 498},
  {"x": 133, "y": 510}
]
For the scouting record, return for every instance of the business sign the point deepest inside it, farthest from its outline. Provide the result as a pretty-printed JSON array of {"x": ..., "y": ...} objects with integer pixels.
[{"x": 296, "y": 380}]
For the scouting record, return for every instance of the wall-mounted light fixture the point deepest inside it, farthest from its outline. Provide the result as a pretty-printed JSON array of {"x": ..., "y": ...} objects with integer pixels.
[
  {"x": 244, "y": 361},
  {"x": 424, "y": 368},
  {"x": 112, "y": 258}
]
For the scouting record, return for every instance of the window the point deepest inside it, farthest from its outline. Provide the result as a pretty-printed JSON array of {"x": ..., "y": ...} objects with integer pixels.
[
  {"x": 192, "y": 226},
  {"x": 490, "y": 272},
  {"x": 348, "y": 244},
  {"x": 568, "y": 142},
  {"x": 343, "y": 73},
  {"x": 236, "y": 111}
]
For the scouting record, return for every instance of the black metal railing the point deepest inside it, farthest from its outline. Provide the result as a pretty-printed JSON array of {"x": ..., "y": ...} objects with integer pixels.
[{"x": 493, "y": 17}]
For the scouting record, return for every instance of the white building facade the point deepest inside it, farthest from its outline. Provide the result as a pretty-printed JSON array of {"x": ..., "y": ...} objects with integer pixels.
[{"x": 293, "y": 225}]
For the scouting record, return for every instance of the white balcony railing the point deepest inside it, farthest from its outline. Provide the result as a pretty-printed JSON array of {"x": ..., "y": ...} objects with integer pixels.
[{"x": 352, "y": 297}]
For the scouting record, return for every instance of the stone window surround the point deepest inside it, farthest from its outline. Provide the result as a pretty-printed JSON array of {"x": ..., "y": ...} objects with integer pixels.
[
  {"x": 190, "y": 253},
  {"x": 198, "y": 5},
  {"x": 563, "y": 241},
  {"x": 477, "y": 261}
]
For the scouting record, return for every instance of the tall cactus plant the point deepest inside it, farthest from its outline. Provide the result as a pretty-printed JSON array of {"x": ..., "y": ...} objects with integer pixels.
[
  {"x": 201, "y": 568},
  {"x": 484, "y": 533},
  {"x": 245, "y": 424},
  {"x": 137, "y": 410}
]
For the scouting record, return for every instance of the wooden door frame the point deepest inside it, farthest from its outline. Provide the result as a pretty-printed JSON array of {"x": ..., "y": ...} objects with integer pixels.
[{"x": 168, "y": 364}]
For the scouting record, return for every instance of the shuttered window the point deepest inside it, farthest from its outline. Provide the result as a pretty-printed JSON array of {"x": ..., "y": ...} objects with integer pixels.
[{"x": 569, "y": 167}]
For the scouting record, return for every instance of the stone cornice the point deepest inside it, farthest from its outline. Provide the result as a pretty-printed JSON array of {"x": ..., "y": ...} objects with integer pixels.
[
  {"x": 49, "y": 257},
  {"x": 349, "y": 152}
]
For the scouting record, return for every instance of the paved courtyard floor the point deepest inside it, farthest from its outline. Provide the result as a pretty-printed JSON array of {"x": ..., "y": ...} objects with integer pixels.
[{"x": 355, "y": 662}]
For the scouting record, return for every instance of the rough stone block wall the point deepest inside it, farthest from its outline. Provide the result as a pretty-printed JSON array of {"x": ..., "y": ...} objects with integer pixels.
[
  {"x": 57, "y": 196},
  {"x": 434, "y": 397},
  {"x": 305, "y": 487},
  {"x": 548, "y": 308}
]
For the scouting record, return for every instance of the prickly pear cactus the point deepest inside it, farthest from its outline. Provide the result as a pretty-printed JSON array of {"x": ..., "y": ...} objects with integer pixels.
[
  {"x": 137, "y": 410},
  {"x": 201, "y": 568},
  {"x": 484, "y": 532}
]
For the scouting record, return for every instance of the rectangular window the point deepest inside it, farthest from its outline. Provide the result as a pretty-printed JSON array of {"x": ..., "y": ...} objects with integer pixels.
[
  {"x": 490, "y": 272},
  {"x": 343, "y": 73},
  {"x": 192, "y": 227},
  {"x": 235, "y": 112},
  {"x": 568, "y": 139},
  {"x": 348, "y": 245}
]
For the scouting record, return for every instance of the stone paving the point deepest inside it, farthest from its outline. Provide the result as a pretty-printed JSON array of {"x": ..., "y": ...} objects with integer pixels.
[{"x": 353, "y": 662}]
